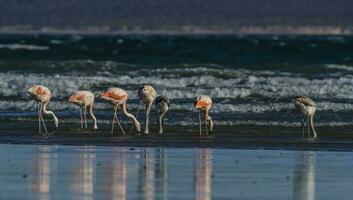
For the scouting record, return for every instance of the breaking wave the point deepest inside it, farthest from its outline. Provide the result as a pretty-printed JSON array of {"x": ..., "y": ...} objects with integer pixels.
[
  {"x": 23, "y": 47},
  {"x": 186, "y": 83}
]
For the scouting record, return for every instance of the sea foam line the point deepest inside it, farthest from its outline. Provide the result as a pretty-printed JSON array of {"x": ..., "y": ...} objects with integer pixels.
[{"x": 23, "y": 46}]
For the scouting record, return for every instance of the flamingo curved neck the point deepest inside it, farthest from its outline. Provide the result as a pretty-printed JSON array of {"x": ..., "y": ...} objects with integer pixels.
[{"x": 48, "y": 112}]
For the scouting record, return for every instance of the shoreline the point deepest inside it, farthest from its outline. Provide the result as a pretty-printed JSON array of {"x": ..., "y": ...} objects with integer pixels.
[
  {"x": 227, "y": 137},
  {"x": 227, "y": 141}
]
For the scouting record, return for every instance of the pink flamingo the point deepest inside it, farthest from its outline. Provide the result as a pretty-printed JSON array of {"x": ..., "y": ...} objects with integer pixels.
[
  {"x": 147, "y": 94},
  {"x": 42, "y": 95},
  {"x": 84, "y": 99},
  {"x": 118, "y": 96},
  {"x": 204, "y": 103},
  {"x": 308, "y": 107}
]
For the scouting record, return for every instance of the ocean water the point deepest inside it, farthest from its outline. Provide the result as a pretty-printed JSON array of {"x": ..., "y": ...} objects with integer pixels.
[
  {"x": 251, "y": 79},
  {"x": 91, "y": 172}
]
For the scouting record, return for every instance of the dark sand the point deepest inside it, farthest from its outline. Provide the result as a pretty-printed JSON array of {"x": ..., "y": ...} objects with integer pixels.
[
  {"x": 187, "y": 141},
  {"x": 183, "y": 140},
  {"x": 232, "y": 137}
]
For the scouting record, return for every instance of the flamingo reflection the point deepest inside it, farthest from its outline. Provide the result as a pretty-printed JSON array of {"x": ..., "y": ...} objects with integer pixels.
[
  {"x": 41, "y": 182},
  {"x": 161, "y": 174},
  {"x": 304, "y": 180},
  {"x": 203, "y": 173},
  {"x": 146, "y": 175},
  {"x": 83, "y": 175},
  {"x": 118, "y": 174},
  {"x": 153, "y": 174}
]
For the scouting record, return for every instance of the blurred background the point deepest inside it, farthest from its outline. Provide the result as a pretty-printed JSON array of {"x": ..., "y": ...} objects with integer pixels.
[
  {"x": 251, "y": 56},
  {"x": 240, "y": 16}
]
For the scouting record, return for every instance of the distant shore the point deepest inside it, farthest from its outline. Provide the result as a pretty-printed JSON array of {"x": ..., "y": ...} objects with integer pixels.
[{"x": 248, "y": 30}]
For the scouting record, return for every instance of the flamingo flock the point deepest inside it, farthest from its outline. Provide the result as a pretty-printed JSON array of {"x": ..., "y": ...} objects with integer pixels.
[{"x": 117, "y": 97}]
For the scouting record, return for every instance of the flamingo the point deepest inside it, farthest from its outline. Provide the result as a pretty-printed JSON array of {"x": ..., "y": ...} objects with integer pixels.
[
  {"x": 118, "y": 96},
  {"x": 42, "y": 95},
  {"x": 147, "y": 94},
  {"x": 84, "y": 99},
  {"x": 204, "y": 103},
  {"x": 308, "y": 108},
  {"x": 162, "y": 104}
]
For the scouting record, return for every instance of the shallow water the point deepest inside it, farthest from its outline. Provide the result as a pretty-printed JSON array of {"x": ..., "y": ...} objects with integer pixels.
[{"x": 91, "y": 172}]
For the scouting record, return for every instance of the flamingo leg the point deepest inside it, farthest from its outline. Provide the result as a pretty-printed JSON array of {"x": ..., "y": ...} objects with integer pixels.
[
  {"x": 115, "y": 108},
  {"x": 81, "y": 118},
  {"x": 210, "y": 122},
  {"x": 160, "y": 124},
  {"x": 148, "y": 110},
  {"x": 206, "y": 123},
  {"x": 85, "y": 116},
  {"x": 308, "y": 126},
  {"x": 303, "y": 126},
  {"x": 117, "y": 120},
  {"x": 312, "y": 126},
  {"x": 39, "y": 123},
  {"x": 200, "y": 123},
  {"x": 41, "y": 117}
]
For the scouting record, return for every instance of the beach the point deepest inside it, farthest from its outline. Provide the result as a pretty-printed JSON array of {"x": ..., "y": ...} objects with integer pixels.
[
  {"x": 252, "y": 79},
  {"x": 256, "y": 151}
]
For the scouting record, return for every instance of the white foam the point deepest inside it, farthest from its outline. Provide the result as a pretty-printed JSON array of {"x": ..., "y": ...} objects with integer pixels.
[
  {"x": 23, "y": 46},
  {"x": 217, "y": 83},
  {"x": 236, "y": 108},
  {"x": 340, "y": 67}
]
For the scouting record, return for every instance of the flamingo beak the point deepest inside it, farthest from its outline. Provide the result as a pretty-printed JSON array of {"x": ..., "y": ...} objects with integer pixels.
[
  {"x": 103, "y": 94},
  {"x": 30, "y": 90},
  {"x": 71, "y": 99},
  {"x": 195, "y": 103}
]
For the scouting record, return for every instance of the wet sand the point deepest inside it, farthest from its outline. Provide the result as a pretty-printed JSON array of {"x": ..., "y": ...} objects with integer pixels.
[
  {"x": 274, "y": 141},
  {"x": 101, "y": 172},
  {"x": 233, "y": 142},
  {"x": 231, "y": 137}
]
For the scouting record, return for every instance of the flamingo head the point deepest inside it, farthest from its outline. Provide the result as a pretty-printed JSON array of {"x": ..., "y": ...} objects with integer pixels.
[{"x": 104, "y": 95}]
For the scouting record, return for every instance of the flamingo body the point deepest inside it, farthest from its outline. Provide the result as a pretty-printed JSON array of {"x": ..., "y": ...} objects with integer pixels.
[
  {"x": 147, "y": 94},
  {"x": 308, "y": 107},
  {"x": 203, "y": 104},
  {"x": 118, "y": 97},
  {"x": 84, "y": 99},
  {"x": 115, "y": 96},
  {"x": 42, "y": 96},
  {"x": 39, "y": 93},
  {"x": 162, "y": 104}
]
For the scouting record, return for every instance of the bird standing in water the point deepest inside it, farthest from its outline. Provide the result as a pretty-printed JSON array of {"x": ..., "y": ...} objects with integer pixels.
[
  {"x": 42, "y": 95},
  {"x": 162, "y": 104},
  {"x": 84, "y": 99},
  {"x": 147, "y": 95},
  {"x": 118, "y": 96},
  {"x": 308, "y": 108},
  {"x": 203, "y": 103}
]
